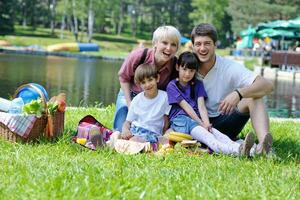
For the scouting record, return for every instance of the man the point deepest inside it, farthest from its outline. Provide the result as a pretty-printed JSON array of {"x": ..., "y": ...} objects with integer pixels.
[{"x": 234, "y": 92}]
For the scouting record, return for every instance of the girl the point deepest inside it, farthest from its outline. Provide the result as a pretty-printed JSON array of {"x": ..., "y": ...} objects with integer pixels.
[{"x": 188, "y": 114}]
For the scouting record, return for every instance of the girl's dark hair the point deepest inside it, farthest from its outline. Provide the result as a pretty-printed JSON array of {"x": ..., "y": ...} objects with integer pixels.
[{"x": 191, "y": 61}]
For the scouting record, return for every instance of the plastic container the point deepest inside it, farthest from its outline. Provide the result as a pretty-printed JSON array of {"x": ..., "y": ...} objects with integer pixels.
[
  {"x": 28, "y": 93},
  {"x": 4, "y": 104},
  {"x": 15, "y": 106}
]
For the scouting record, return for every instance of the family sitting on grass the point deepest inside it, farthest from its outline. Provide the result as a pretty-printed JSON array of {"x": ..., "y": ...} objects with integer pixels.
[{"x": 201, "y": 94}]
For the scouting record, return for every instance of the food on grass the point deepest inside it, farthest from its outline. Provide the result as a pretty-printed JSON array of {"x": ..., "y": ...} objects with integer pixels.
[{"x": 179, "y": 137}]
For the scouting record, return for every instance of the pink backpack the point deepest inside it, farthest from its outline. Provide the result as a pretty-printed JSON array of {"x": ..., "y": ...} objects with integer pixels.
[{"x": 91, "y": 133}]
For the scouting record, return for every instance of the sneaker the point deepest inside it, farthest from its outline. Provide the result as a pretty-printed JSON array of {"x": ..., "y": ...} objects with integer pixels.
[
  {"x": 266, "y": 145},
  {"x": 246, "y": 146}
]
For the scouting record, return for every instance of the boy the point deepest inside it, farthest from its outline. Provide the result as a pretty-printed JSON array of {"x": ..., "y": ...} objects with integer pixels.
[{"x": 147, "y": 116}]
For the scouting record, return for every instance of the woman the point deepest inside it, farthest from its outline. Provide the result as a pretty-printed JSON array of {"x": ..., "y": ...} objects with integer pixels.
[{"x": 166, "y": 42}]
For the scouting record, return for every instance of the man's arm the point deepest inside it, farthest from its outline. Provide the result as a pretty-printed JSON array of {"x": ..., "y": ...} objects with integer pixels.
[{"x": 259, "y": 88}]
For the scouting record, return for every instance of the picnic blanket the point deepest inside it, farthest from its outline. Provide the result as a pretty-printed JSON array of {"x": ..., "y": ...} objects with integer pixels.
[{"x": 18, "y": 123}]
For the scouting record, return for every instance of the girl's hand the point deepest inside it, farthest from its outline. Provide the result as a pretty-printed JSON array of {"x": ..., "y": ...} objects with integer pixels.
[{"x": 207, "y": 127}]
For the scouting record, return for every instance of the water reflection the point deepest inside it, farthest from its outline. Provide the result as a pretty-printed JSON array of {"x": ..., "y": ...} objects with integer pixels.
[
  {"x": 86, "y": 81},
  {"x": 285, "y": 100}
]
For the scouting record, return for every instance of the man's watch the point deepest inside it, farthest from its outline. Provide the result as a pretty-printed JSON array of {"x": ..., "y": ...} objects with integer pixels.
[{"x": 240, "y": 95}]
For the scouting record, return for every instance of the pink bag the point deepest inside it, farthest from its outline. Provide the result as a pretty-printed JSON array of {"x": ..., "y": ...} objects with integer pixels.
[{"x": 91, "y": 133}]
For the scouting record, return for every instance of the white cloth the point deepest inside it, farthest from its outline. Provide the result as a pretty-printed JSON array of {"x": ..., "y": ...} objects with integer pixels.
[
  {"x": 225, "y": 76},
  {"x": 216, "y": 141},
  {"x": 149, "y": 113}
]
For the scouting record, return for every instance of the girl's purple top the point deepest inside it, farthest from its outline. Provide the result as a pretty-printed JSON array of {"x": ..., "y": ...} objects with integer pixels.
[
  {"x": 126, "y": 73},
  {"x": 176, "y": 95}
]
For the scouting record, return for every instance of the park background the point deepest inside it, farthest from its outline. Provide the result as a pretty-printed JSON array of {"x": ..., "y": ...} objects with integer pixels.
[{"x": 63, "y": 170}]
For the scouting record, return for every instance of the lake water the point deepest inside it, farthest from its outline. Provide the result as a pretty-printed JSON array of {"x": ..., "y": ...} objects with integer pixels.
[{"x": 94, "y": 81}]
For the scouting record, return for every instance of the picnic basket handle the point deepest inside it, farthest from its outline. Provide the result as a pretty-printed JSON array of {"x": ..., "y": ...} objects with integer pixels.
[{"x": 44, "y": 100}]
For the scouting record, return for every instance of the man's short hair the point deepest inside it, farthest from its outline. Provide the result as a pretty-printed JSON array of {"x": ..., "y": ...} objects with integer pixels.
[
  {"x": 166, "y": 32},
  {"x": 205, "y": 29},
  {"x": 145, "y": 71}
]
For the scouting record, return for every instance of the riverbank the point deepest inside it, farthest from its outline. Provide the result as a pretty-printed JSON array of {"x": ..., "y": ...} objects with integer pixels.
[{"x": 111, "y": 46}]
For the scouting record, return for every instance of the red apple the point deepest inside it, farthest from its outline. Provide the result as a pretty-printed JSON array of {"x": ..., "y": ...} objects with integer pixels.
[{"x": 61, "y": 105}]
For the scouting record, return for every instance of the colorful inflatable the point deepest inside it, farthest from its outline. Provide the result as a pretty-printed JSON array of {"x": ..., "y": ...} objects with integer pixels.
[{"x": 74, "y": 47}]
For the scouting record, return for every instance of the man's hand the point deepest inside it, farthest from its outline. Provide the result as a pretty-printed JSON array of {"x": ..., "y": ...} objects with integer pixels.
[{"x": 229, "y": 103}]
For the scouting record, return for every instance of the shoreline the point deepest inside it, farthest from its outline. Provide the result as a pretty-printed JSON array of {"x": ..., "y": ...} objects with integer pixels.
[{"x": 61, "y": 54}]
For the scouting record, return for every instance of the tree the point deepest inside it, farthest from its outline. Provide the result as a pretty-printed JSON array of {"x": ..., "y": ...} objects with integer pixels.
[
  {"x": 6, "y": 16},
  {"x": 208, "y": 12},
  {"x": 244, "y": 13}
]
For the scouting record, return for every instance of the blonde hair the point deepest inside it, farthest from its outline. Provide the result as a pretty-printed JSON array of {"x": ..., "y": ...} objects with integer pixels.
[
  {"x": 145, "y": 71},
  {"x": 166, "y": 32}
]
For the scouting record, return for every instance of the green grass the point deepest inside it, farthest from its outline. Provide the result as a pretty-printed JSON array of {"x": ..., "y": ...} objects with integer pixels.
[
  {"x": 110, "y": 45},
  {"x": 62, "y": 170}
]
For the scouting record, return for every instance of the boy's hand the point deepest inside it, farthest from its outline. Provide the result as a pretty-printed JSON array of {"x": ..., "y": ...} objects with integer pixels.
[{"x": 126, "y": 135}]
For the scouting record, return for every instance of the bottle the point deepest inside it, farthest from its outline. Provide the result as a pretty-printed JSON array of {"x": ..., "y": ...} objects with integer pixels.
[
  {"x": 4, "y": 105},
  {"x": 16, "y": 106}
]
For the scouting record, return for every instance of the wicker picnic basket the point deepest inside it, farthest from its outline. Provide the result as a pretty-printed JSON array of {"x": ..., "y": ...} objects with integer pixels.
[{"x": 38, "y": 130}]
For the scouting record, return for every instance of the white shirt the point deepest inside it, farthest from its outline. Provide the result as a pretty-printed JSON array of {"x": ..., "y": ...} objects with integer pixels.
[
  {"x": 223, "y": 78},
  {"x": 149, "y": 113}
]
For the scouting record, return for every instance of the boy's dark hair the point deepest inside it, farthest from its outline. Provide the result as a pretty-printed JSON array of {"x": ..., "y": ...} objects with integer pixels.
[
  {"x": 145, "y": 71},
  {"x": 191, "y": 61},
  {"x": 205, "y": 29}
]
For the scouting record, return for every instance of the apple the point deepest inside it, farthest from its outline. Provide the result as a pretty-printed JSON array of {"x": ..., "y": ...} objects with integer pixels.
[{"x": 61, "y": 105}]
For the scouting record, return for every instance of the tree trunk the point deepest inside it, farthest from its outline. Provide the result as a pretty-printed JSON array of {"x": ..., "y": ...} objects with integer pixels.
[
  {"x": 52, "y": 11},
  {"x": 121, "y": 17},
  {"x": 75, "y": 21},
  {"x": 62, "y": 27},
  {"x": 90, "y": 21}
]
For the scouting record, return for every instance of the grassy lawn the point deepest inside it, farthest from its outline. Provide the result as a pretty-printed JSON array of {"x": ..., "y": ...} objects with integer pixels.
[{"x": 63, "y": 170}]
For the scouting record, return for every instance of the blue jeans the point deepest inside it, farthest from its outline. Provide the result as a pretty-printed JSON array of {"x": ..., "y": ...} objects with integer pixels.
[
  {"x": 121, "y": 110},
  {"x": 183, "y": 124},
  {"x": 146, "y": 134}
]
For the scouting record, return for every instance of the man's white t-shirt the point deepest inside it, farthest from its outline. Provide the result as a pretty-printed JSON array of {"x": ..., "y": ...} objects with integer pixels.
[
  {"x": 223, "y": 78},
  {"x": 149, "y": 113}
]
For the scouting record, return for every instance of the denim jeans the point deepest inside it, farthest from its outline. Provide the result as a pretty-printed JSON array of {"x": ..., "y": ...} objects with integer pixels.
[{"x": 121, "y": 110}]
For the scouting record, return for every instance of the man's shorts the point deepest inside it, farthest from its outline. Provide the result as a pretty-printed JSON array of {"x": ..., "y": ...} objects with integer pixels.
[
  {"x": 183, "y": 124},
  {"x": 232, "y": 124}
]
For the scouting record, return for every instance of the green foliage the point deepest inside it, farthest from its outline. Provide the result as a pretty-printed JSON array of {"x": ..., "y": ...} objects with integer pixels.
[
  {"x": 244, "y": 13},
  {"x": 35, "y": 107},
  {"x": 63, "y": 170},
  {"x": 6, "y": 16},
  {"x": 208, "y": 12}
]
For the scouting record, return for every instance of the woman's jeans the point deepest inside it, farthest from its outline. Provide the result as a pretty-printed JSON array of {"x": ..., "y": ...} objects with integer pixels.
[{"x": 121, "y": 111}]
